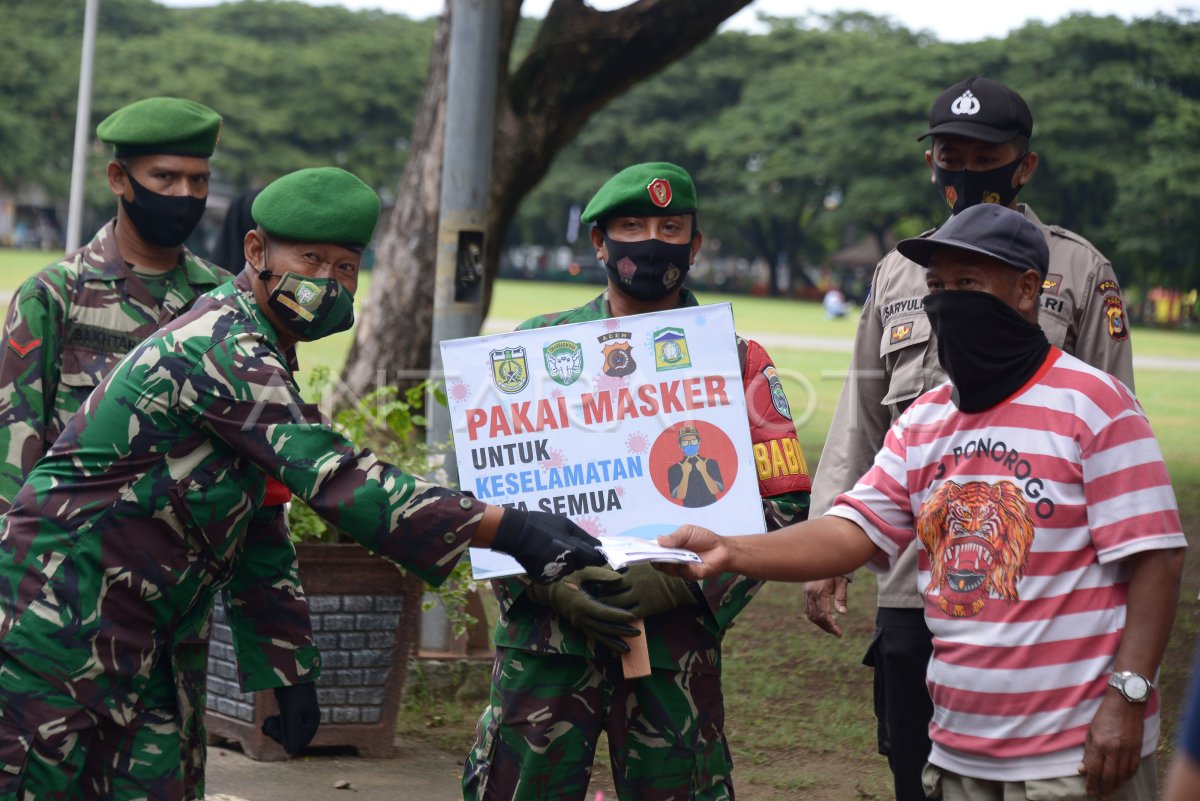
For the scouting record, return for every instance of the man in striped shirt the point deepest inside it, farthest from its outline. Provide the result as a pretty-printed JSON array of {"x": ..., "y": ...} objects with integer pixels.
[{"x": 1050, "y": 547}]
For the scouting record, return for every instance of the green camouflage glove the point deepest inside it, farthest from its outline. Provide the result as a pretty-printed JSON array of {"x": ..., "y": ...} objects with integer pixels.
[
  {"x": 572, "y": 599},
  {"x": 644, "y": 590}
]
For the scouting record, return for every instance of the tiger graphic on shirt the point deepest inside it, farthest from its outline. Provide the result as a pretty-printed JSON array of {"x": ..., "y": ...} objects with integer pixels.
[{"x": 978, "y": 537}]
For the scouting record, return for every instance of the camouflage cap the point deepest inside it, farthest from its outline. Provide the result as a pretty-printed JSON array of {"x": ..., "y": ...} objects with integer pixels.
[
  {"x": 653, "y": 189},
  {"x": 319, "y": 204},
  {"x": 169, "y": 125}
]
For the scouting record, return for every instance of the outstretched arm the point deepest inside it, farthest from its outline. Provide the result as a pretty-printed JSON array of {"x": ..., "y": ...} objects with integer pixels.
[{"x": 814, "y": 549}]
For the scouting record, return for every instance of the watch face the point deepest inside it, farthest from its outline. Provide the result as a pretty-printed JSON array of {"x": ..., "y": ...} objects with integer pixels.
[{"x": 1136, "y": 687}]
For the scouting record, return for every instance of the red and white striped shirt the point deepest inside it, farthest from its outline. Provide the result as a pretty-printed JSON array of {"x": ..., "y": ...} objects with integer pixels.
[{"x": 1025, "y": 515}]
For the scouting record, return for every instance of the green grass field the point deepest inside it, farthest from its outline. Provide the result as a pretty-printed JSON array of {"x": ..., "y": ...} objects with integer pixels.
[{"x": 798, "y": 701}]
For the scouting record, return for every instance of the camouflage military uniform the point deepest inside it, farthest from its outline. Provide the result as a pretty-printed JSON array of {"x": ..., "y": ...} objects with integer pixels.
[
  {"x": 67, "y": 327},
  {"x": 141, "y": 512},
  {"x": 554, "y": 690}
]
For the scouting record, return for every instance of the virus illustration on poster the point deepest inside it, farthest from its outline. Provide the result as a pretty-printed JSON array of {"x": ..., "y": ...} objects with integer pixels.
[
  {"x": 592, "y": 525},
  {"x": 459, "y": 392},
  {"x": 637, "y": 442},
  {"x": 557, "y": 459}
]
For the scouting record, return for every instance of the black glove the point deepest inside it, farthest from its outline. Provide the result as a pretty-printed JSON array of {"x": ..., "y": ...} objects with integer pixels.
[
  {"x": 572, "y": 599},
  {"x": 298, "y": 718},
  {"x": 644, "y": 590},
  {"x": 547, "y": 546}
]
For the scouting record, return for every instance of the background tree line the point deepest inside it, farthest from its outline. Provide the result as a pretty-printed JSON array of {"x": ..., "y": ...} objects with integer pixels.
[{"x": 801, "y": 139}]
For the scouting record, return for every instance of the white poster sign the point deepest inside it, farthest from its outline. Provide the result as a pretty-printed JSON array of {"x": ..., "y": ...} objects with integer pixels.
[{"x": 630, "y": 426}]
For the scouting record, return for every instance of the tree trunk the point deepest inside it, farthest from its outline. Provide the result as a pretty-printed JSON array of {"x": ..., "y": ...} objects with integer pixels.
[{"x": 580, "y": 60}]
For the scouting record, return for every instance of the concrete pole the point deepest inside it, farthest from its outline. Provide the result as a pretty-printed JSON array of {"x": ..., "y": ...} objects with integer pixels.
[
  {"x": 83, "y": 125},
  {"x": 462, "y": 218}
]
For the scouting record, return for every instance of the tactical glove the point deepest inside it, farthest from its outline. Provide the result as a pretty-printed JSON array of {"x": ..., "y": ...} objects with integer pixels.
[
  {"x": 644, "y": 591},
  {"x": 571, "y": 598},
  {"x": 547, "y": 546},
  {"x": 298, "y": 718}
]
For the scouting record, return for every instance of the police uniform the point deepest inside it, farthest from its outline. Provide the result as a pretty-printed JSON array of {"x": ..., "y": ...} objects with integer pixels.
[
  {"x": 895, "y": 360},
  {"x": 554, "y": 690},
  {"x": 147, "y": 506}
]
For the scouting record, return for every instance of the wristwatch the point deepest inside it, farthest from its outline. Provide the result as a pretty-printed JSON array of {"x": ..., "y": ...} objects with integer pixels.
[{"x": 1134, "y": 686}]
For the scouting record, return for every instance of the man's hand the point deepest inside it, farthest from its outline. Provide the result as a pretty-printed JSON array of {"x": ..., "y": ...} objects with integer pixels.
[
  {"x": 298, "y": 718},
  {"x": 572, "y": 599},
  {"x": 817, "y": 597},
  {"x": 547, "y": 546},
  {"x": 1113, "y": 749},
  {"x": 644, "y": 591},
  {"x": 709, "y": 546}
]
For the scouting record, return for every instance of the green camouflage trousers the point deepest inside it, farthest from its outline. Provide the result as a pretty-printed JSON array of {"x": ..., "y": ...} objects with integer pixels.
[
  {"x": 190, "y": 669},
  {"x": 537, "y": 738},
  {"x": 52, "y": 748}
]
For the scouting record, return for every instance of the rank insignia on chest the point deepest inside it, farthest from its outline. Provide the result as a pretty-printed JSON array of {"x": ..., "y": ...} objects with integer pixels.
[
  {"x": 901, "y": 332},
  {"x": 671, "y": 349},
  {"x": 510, "y": 371}
]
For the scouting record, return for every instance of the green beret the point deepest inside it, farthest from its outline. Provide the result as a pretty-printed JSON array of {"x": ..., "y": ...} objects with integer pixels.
[
  {"x": 653, "y": 189},
  {"x": 167, "y": 125},
  {"x": 320, "y": 204}
]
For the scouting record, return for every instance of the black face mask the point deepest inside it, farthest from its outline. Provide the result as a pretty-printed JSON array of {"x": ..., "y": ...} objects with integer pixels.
[
  {"x": 162, "y": 220},
  {"x": 962, "y": 189},
  {"x": 649, "y": 269},
  {"x": 988, "y": 350}
]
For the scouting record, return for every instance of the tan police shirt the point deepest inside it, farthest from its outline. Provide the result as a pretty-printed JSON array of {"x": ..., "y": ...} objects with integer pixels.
[{"x": 895, "y": 360}]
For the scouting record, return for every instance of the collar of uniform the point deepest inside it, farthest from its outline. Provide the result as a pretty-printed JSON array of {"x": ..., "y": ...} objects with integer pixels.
[
  {"x": 201, "y": 274},
  {"x": 100, "y": 259},
  {"x": 1027, "y": 211},
  {"x": 245, "y": 296},
  {"x": 686, "y": 300}
]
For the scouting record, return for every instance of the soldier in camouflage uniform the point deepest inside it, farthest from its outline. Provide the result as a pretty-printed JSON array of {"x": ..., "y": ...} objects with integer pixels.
[
  {"x": 557, "y": 681},
  {"x": 144, "y": 507},
  {"x": 70, "y": 323}
]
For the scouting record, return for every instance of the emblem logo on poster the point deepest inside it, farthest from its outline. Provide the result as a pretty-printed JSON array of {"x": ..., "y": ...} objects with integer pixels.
[
  {"x": 671, "y": 349},
  {"x": 564, "y": 361},
  {"x": 510, "y": 371},
  {"x": 618, "y": 355}
]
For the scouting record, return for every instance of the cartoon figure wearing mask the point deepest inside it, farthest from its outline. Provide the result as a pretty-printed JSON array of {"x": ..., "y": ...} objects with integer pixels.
[{"x": 694, "y": 480}]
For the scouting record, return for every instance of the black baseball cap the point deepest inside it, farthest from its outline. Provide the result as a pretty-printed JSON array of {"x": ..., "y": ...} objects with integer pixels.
[
  {"x": 980, "y": 108},
  {"x": 987, "y": 228}
]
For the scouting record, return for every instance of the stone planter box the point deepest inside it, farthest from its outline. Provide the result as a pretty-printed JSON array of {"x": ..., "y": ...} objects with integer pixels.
[{"x": 366, "y": 621}]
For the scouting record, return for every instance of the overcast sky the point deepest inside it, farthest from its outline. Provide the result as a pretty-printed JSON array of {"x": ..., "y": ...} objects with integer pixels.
[{"x": 950, "y": 20}]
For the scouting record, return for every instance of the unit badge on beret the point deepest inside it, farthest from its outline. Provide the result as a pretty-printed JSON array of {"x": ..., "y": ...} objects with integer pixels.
[
  {"x": 671, "y": 349},
  {"x": 618, "y": 356},
  {"x": 510, "y": 371},
  {"x": 965, "y": 104},
  {"x": 1115, "y": 309},
  {"x": 660, "y": 192}
]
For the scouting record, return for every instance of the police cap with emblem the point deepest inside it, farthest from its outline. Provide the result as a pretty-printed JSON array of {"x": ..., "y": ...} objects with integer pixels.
[
  {"x": 319, "y": 204},
  {"x": 167, "y": 125},
  {"x": 688, "y": 431},
  {"x": 652, "y": 189},
  {"x": 989, "y": 229},
  {"x": 980, "y": 108}
]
